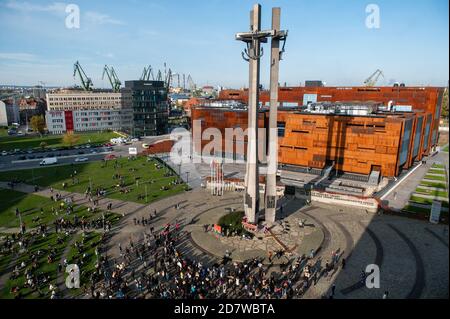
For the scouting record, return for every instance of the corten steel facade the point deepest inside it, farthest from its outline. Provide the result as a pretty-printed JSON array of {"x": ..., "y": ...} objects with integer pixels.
[
  {"x": 388, "y": 143},
  {"x": 426, "y": 99}
]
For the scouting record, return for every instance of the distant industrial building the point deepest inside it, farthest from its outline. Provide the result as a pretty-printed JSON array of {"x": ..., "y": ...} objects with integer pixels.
[
  {"x": 80, "y": 111},
  {"x": 148, "y": 101}
]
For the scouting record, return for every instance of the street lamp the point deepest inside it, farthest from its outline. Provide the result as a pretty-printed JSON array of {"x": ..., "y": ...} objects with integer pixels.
[
  {"x": 187, "y": 178},
  {"x": 146, "y": 199}
]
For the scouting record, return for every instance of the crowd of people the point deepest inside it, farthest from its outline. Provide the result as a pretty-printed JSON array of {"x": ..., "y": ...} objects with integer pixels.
[{"x": 155, "y": 267}]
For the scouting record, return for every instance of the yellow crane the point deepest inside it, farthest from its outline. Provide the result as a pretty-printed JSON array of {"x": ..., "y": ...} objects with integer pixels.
[{"x": 373, "y": 79}]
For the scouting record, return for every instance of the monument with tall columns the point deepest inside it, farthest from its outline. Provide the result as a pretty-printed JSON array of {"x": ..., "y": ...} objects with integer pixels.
[{"x": 253, "y": 54}]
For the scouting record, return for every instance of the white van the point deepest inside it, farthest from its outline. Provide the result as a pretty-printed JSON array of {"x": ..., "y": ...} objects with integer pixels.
[{"x": 48, "y": 161}]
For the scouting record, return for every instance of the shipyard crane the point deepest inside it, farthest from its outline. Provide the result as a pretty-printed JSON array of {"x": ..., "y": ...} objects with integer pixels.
[
  {"x": 168, "y": 78},
  {"x": 178, "y": 78},
  {"x": 147, "y": 74},
  {"x": 159, "y": 76},
  {"x": 86, "y": 82},
  {"x": 373, "y": 79},
  {"x": 191, "y": 83},
  {"x": 112, "y": 77}
]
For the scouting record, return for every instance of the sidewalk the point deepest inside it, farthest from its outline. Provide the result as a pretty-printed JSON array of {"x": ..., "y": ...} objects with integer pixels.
[{"x": 399, "y": 198}]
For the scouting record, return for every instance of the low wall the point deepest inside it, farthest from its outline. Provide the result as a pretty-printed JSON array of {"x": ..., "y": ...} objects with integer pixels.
[{"x": 367, "y": 203}]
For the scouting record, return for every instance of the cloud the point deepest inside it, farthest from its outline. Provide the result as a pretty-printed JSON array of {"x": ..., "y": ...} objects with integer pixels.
[
  {"x": 100, "y": 18},
  {"x": 25, "y": 57},
  {"x": 55, "y": 7},
  {"x": 59, "y": 8},
  {"x": 108, "y": 55}
]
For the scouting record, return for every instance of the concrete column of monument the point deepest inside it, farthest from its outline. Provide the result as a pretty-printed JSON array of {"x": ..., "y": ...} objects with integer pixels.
[
  {"x": 272, "y": 158},
  {"x": 251, "y": 202}
]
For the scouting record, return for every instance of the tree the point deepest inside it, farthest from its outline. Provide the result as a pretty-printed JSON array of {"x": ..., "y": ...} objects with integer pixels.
[
  {"x": 445, "y": 105},
  {"x": 38, "y": 124},
  {"x": 43, "y": 145},
  {"x": 70, "y": 138}
]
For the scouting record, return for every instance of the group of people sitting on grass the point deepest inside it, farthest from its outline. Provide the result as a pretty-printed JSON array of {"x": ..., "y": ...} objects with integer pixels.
[
  {"x": 29, "y": 263},
  {"x": 28, "y": 271}
]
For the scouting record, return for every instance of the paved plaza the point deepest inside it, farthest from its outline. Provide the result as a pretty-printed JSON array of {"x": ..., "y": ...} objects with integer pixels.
[{"x": 412, "y": 255}]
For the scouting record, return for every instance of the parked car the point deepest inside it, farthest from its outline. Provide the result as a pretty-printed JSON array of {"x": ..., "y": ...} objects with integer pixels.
[
  {"x": 4, "y": 153},
  {"x": 81, "y": 159},
  {"x": 48, "y": 161},
  {"x": 22, "y": 158},
  {"x": 80, "y": 152}
]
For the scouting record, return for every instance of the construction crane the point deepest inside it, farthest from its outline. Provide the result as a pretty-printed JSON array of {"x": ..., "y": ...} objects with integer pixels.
[
  {"x": 191, "y": 83},
  {"x": 373, "y": 79},
  {"x": 178, "y": 78},
  {"x": 86, "y": 82},
  {"x": 168, "y": 78},
  {"x": 147, "y": 74},
  {"x": 159, "y": 76},
  {"x": 112, "y": 77}
]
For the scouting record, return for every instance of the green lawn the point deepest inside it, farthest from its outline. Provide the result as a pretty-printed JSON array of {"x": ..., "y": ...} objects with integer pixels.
[
  {"x": 30, "y": 207},
  {"x": 425, "y": 201},
  {"x": 438, "y": 166},
  {"x": 435, "y": 178},
  {"x": 25, "y": 142},
  {"x": 437, "y": 172},
  {"x": 445, "y": 149},
  {"x": 418, "y": 210},
  {"x": 87, "y": 265},
  {"x": 3, "y": 131},
  {"x": 4, "y": 262},
  {"x": 48, "y": 269},
  {"x": 435, "y": 185},
  {"x": 144, "y": 172},
  {"x": 431, "y": 192}
]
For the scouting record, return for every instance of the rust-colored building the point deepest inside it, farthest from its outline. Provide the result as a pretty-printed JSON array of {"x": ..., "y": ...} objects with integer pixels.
[
  {"x": 383, "y": 141},
  {"x": 427, "y": 99}
]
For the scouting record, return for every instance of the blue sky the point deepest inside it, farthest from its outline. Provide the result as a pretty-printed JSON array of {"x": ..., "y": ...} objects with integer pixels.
[{"x": 328, "y": 40}]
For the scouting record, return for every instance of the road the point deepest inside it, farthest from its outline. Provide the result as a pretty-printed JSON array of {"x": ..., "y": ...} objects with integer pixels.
[{"x": 13, "y": 162}]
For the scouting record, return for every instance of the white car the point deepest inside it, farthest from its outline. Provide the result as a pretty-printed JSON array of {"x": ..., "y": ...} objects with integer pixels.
[
  {"x": 81, "y": 159},
  {"x": 4, "y": 153}
]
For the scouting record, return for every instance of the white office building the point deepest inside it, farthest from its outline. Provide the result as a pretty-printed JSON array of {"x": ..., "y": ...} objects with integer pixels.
[{"x": 82, "y": 111}]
